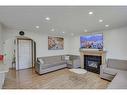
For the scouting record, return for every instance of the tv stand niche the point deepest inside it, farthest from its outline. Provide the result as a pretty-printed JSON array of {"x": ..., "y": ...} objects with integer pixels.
[{"x": 88, "y": 52}]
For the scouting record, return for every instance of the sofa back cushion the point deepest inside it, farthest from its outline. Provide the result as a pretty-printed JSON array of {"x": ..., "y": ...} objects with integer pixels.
[
  {"x": 71, "y": 57},
  {"x": 52, "y": 59},
  {"x": 117, "y": 64}
]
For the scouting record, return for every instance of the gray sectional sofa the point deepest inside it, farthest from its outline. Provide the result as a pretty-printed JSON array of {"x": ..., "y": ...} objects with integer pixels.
[
  {"x": 52, "y": 63},
  {"x": 115, "y": 71}
]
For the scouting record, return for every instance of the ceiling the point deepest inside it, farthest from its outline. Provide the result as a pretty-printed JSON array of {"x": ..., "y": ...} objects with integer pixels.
[{"x": 68, "y": 19}]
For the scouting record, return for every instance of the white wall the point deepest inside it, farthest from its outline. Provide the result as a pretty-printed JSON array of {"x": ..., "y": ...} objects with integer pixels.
[
  {"x": 41, "y": 44},
  {"x": 75, "y": 45},
  {"x": 1, "y": 39},
  {"x": 115, "y": 43}
]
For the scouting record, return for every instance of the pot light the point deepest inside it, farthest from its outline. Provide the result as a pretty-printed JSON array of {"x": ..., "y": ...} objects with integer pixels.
[
  {"x": 90, "y": 13},
  {"x": 100, "y": 20},
  {"x": 107, "y": 25},
  {"x": 52, "y": 29},
  {"x": 63, "y": 32},
  {"x": 85, "y": 30},
  {"x": 72, "y": 34},
  {"x": 47, "y": 18},
  {"x": 37, "y": 26}
]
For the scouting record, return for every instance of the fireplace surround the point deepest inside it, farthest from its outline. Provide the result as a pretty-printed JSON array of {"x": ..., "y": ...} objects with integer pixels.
[{"x": 92, "y": 59}]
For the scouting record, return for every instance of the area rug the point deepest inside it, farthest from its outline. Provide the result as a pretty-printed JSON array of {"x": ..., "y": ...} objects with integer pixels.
[{"x": 78, "y": 71}]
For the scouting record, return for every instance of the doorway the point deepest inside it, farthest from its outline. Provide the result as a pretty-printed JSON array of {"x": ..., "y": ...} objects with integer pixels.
[{"x": 25, "y": 53}]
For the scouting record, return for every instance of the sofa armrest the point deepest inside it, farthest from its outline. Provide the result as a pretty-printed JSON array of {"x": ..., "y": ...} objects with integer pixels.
[
  {"x": 76, "y": 63},
  {"x": 75, "y": 60},
  {"x": 105, "y": 75},
  {"x": 37, "y": 66},
  {"x": 102, "y": 67}
]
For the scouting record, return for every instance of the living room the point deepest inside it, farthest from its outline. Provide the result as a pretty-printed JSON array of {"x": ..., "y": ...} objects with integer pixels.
[{"x": 66, "y": 24}]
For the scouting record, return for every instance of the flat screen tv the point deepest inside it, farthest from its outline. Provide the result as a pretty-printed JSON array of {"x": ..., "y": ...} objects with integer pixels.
[{"x": 92, "y": 41}]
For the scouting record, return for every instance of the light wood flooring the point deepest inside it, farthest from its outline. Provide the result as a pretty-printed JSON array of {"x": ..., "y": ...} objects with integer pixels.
[{"x": 61, "y": 79}]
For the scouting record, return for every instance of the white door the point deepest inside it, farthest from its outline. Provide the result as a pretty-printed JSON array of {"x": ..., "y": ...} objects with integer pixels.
[{"x": 25, "y": 54}]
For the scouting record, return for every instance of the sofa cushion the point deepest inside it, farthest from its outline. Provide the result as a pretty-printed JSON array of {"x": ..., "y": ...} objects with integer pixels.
[
  {"x": 64, "y": 57},
  {"x": 52, "y": 59},
  {"x": 111, "y": 71},
  {"x": 117, "y": 64},
  {"x": 121, "y": 76},
  {"x": 48, "y": 65},
  {"x": 119, "y": 81},
  {"x": 117, "y": 85},
  {"x": 67, "y": 57}
]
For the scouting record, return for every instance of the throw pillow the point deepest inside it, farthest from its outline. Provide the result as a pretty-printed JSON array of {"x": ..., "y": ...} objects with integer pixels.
[{"x": 67, "y": 57}]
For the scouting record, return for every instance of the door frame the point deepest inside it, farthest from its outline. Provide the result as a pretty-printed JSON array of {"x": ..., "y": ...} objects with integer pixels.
[{"x": 33, "y": 51}]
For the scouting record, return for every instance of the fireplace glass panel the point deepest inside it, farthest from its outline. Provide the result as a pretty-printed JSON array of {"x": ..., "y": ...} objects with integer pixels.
[{"x": 92, "y": 64}]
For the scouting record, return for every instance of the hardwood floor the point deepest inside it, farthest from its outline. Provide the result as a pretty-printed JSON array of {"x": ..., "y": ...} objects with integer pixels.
[{"x": 61, "y": 79}]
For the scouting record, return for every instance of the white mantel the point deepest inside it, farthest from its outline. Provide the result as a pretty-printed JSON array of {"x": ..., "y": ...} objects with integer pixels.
[{"x": 92, "y": 52}]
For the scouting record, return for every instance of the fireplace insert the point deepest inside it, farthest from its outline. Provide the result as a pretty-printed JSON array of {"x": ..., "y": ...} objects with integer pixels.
[{"x": 92, "y": 63}]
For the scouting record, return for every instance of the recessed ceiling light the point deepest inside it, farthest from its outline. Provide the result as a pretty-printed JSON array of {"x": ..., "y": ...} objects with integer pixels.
[
  {"x": 52, "y": 29},
  {"x": 63, "y": 32},
  {"x": 85, "y": 30},
  {"x": 47, "y": 18},
  {"x": 37, "y": 26},
  {"x": 100, "y": 20},
  {"x": 90, "y": 13},
  {"x": 107, "y": 25},
  {"x": 72, "y": 34}
]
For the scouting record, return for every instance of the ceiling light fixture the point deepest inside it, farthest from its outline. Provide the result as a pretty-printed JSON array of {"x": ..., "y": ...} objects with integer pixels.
[
  {"x": 37, "y": 26},
  {"x": 100, "y": 20},
  {"x": 63, "y": 32},
  {"x": 90, "y": 13},
  {"x": 107, "y": 25},
  {"x": 85, "y": 30},
  {"x": 72, "y": 34},
  {"x": 52, "y": 29},
  {"x": 47, "y": 18}
]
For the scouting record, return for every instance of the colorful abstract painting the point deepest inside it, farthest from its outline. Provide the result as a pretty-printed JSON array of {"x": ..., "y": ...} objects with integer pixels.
[{"x": 92, "y": 41}]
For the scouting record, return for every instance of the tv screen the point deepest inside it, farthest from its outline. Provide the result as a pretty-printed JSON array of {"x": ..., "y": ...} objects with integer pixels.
[{"x": 92, "y": 41}]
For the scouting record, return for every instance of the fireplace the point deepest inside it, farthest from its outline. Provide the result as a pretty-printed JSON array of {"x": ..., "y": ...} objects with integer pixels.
[
  {"x": 92, "y": 59},
  {"x": 92, "y": 63}
]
